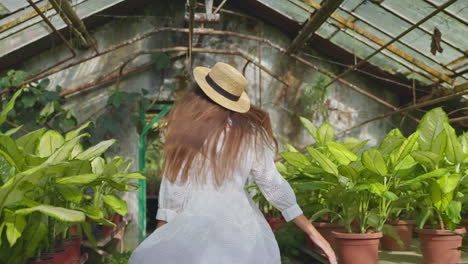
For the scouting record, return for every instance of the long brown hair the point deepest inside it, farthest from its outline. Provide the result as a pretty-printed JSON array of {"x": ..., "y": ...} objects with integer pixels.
[{"x": 195, "y": 127}]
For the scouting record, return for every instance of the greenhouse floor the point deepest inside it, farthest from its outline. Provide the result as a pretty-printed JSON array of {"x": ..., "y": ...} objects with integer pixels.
[{"x": 408, "y": 257}]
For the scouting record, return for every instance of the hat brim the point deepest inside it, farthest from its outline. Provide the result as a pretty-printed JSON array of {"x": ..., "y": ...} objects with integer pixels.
[{"x": 242, "y": 105}]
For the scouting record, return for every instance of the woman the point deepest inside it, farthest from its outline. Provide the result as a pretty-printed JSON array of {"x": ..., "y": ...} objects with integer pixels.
[{"x": 214, "y": 141}]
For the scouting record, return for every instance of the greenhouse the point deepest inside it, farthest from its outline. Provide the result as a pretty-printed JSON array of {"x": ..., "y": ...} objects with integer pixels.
[{"x": 233, "y": 131}]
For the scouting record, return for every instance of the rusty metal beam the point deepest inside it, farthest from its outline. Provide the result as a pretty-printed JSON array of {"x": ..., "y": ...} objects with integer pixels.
[
  {"x": 23, "y": 18},
  {"x": 314, "y": 23},
  {"x": 77, "y": 26},
  {"x": 119, "y": 70},
  {"x": 459, "y": 91},
  {"x": 206, "y": 31},
  {"x": 65, "y": 41},
  {"x": 363, "y": 61},
  {"x": 349, "y": 24}
]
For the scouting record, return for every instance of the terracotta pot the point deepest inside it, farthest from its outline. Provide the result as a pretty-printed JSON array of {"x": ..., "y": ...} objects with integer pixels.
[
  {"x": 107, "y": 230},
  {"x": 60, "y": 257},
  {"x": 353, "y": 248},
  {"x": 72, "y": 248},
  {"x": 276, "y": 223},
  {"x": 440, "y": 246},
  {"x": 43, "y": 260},
  {"x": 326, "y": 229},
  {"x": 405, "y": 229}
]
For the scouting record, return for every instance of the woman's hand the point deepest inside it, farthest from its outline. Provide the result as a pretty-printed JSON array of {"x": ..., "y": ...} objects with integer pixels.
[
  {"x": 325, "y": 247},
  {"x": 303, "y": 223}
]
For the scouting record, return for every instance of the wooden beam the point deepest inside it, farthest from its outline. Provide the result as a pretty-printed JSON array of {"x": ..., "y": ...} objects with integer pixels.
[{"x": 315, "y": 21}]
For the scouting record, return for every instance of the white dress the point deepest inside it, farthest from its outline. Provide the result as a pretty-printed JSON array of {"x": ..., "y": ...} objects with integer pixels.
[{"x": 219, "y": 225}]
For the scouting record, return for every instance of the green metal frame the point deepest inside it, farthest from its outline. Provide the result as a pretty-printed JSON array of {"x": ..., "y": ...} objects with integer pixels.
[{"x": 141, "y": 164}]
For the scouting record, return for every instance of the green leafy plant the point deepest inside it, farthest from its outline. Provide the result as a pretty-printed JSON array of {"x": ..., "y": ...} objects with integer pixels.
[
  {"x": 444, "y": 158},
  {"x": 45, "y": 177}
]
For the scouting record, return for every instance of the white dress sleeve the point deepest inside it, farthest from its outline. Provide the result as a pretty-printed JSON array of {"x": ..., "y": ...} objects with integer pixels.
[
  {"x": 171, "y": 199},
  {"x": 273, "y": 186}
]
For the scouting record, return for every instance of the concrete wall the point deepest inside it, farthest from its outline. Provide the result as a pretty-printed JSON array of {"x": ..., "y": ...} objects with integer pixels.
[{"x": 345, "y": 107}]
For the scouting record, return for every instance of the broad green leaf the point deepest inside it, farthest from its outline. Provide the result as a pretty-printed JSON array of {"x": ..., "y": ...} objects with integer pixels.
[
  {"x": 49, "y": 143},
  {"x": 423, "y": 216},
  {"x": 322, "y": 213},
  {"x": 29, "y": 141},
  {"x": 14, "y": 225},
  {"x": 405, "y": 167},
  {"x": 76, "y": 150},
  {"x": 290, "y": 148},
  {"x": 279, "y": 166},
  {"x": 430, "y": 127},
  {"x": 77, "y": 167},
  {"x": 391, "y": 142},
  {"x": 408, "y": 146},
  {"x": 63, "y": 153},
  {"x": 98, "y": 165},
  {"x": 373, "y": 160},
  {"x": 453, "y": 150},
  {"x": 360, "y": 187},
  {"x": 453, "y": 211},
  {"x": 390, "y": 231},
  {"x": 325, "y": 134},
  {"x": 96, "y": 150},
  {"x": 377, "y": 188},
  {"x": 433, "y": 174},
  {"x": 348, "y": 172},
  {"x": 311, "y": 128},
  {"x": 87, "y": 229},
  {"x": 10, "y": 151},
  {"x": 9, "y": 106},
  {"x": 341, "y": 153},
  {"x": 428, "y": 159},
  {"x": 448, "y": 182},
  {"x": 35, "y": 235},
  {"x": 296, "y": 159},
  {"x": 314, "y": 186},
  {"x": 59, "y": 213},
  {"x": 354, "y": 144},
  {"x": 93, "y": 212},
  {"x": 463, "y": 138},
  {"x": 324, "y": 162},
  {"x": 117, "y": 204},
  {"x": 70, "y": 193},
  {"x": 439, "y": 199},
  {"x": 74, "y": 133},
  {"x": 12, "y": 131},
  {"x": 78, "y": 179},
  {"x": 139, "y": 176},
  {"x": 391, "y": 196}
]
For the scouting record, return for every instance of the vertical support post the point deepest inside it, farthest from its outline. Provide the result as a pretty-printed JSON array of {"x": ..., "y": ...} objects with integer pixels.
[{"x": 141, "y": 167}]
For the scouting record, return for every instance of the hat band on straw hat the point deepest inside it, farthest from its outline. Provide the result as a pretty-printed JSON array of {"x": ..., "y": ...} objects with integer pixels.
[{"x": 220, "y": 89}]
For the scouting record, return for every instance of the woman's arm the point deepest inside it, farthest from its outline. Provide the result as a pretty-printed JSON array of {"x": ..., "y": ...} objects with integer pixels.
[{"x": 304, "y": 224}]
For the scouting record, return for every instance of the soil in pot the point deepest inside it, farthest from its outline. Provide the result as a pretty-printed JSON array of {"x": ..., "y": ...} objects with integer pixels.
[
  {"x": 440, "y": 246},
  {"x": 60, "y": 257},
  {"x": 43, "y": 260},
  {"x": 405, "y": 229},
  {"x": 353, "y": 248},
  {"x": 72, "y": 247}
]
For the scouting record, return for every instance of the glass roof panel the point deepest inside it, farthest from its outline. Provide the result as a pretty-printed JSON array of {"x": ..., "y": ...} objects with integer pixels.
[
  {"x": 351, "y": 4},
  {"x": 453, "y": 31},
  {"x": 288, "y": 9},
  {"x": 381, "y": 19},
  {"x": 414, "y": 11},
  {"x": 326, "y": 30},
  {"x": 422, "y": 41}
]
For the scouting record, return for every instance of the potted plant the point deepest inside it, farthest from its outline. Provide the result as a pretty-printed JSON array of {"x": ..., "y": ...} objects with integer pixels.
[
  {"x": 443, "y": 157},
  {"x": 317, "y": 190},
  {"x": 44, "y": 176}
]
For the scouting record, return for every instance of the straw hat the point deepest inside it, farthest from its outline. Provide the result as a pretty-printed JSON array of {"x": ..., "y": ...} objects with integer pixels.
[{"x": 225, "y": 85}]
